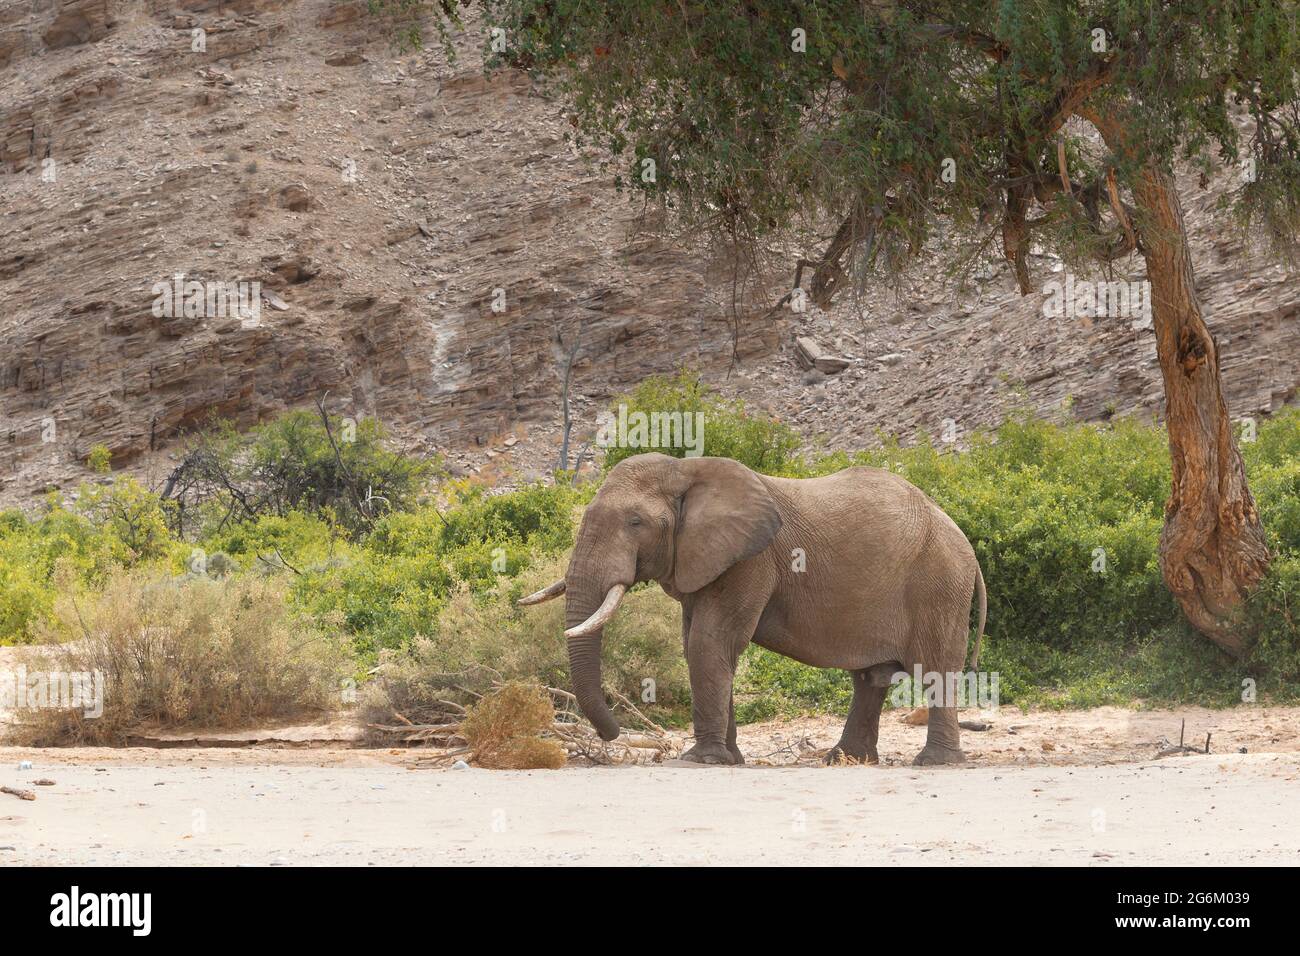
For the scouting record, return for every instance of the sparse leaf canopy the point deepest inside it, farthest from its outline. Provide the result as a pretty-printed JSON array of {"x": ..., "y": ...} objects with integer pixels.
[{"x": 897, "y": 119}]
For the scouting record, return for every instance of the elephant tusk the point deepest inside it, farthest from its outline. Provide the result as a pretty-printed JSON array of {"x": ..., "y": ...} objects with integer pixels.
[
  {"x": 602, "y": 615},
  {"x": 545, "y": 594}
]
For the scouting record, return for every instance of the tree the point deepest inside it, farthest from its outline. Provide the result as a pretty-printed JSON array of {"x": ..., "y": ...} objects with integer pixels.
[
  {"x": 914, "y": 127},
  {"x": 302, "y": 461}
]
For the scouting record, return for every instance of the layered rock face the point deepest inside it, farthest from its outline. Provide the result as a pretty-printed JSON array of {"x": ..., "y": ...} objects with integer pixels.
[
  {"x": 424, "y": 244},
  {"x": 428, "y": 245}
]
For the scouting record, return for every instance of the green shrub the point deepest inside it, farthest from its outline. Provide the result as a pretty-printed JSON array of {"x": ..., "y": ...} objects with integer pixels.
[
  {"x": 769, "y": 685},
  {"x": 26, "y": 599},
  {"x": 538, "y": 517},
  {"x": 1273, "y": 612},
  {"x": 346, "y": 474},
  {"x": 381, "y": 602},
  {"x": 729, "y": 430},
  {"x": 1277, "y": 440},
  {"x": 394, "y": 585},
  {"x": 92, "y": 535},
  {"x": 1277, "y": 495},
  {"x": 428, "y": 585},
  {"x": 270, "y": 542},
  {"x": 100, "y": 459}
]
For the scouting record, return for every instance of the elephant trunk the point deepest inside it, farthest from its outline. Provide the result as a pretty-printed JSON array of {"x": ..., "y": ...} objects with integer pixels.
[
  {"x": 584, "y": 665},
  {"x": 584, "y": 662}
]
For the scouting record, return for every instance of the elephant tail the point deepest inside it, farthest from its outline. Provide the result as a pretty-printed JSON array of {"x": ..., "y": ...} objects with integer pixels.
[{"x": 984, "y": 609}]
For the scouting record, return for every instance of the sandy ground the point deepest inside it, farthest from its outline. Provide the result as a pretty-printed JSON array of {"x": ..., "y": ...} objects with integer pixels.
[{"x": 1044, "y": 788}]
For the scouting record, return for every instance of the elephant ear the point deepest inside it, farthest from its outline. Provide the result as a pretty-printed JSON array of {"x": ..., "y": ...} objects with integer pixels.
[{"x": 726, "y": 515}]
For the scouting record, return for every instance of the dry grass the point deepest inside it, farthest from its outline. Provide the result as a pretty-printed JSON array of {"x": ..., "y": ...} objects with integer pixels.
[
  {"x": 183, "y": 652},
  {"x": 505, "y": 729}
]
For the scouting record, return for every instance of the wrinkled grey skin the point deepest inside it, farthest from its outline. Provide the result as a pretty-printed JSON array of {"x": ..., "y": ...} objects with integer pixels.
[{"x": 888, "y": 584}]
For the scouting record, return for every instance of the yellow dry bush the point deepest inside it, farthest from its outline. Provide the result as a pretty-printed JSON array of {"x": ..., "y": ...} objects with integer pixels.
[
  {"x": 527, "y": 753},
  {"x": 183, "y": 652},
  {"x": 504, "y": 729}
]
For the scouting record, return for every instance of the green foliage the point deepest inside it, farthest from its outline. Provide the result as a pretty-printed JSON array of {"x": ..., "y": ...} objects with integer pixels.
[
  {"x": 345, "y": 473},
  {"x": 909, "y": 122},
  {"x": 1273, "y": 465},
  {"x": 394, "y": 585},
  {"x": 1065, "y": 521},
  {"x": 269, "y": 541},
  {"x": 729, "y": 430},
  {"x": 100, "y": 459},
  {"x": 1273, "y": 613},
  {"x": 26, "y": 598},
  {"x": 1037, "y": 501},
  {"x": 347, "y": 470},
  {"x": 102, "y": 529},
  {"x": 769, "y": 685},
  {"x": 130, "y": 521}
]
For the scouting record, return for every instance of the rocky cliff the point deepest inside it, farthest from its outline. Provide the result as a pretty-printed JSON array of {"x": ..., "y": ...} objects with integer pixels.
[
  {"x": 427, "y": 243},
  {"x": 428, "y": 246}
]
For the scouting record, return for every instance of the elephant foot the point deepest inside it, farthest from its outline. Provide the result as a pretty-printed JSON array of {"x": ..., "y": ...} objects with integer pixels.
[
  {"x": 840, "y": 755},
  {"x": 713, "y": 754},
  {"x": 932, "y": 754},
  {"x": 736, "y": 755}
]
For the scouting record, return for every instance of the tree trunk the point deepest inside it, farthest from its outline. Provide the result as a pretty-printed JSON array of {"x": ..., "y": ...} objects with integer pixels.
[{"x": 1212, "y": 548}]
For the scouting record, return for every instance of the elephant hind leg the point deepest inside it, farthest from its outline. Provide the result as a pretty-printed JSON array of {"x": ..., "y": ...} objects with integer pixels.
[
  {"x": 862, "y": 729},
  {"x": 939, "y": 644},
  {"x": 943, "y": 740}
]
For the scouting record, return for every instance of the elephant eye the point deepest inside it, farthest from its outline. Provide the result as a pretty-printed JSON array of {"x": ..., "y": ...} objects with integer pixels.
[{"x": 634, "y": 520}]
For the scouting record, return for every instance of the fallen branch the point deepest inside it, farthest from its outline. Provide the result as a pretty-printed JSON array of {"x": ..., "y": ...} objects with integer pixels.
[
  {"x": 441, "y": 726},
  {"x": 1183, "y": 748}
]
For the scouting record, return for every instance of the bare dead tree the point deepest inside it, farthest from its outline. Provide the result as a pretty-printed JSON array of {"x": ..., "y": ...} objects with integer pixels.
[{"x": 572, "y": 354}]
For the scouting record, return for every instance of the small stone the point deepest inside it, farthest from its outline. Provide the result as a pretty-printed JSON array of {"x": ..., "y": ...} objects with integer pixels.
[{"x": 274, "y": 301}]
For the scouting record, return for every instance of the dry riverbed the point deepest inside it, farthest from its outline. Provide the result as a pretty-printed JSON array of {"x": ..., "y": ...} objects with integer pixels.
[{"x": 1081, "y": 787}]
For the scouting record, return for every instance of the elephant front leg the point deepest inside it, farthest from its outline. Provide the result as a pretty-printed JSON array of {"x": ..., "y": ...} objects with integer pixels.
[
  {"x": 712, "y": 715},
  {"x": 731, "y": 733},
  {"x": 712, "y": 650}
]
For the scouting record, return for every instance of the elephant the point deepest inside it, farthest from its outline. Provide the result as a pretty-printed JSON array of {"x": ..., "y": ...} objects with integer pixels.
[{"x": 858, "y": 570}]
